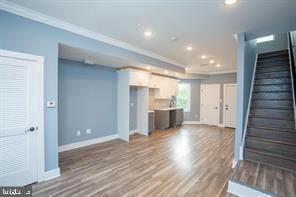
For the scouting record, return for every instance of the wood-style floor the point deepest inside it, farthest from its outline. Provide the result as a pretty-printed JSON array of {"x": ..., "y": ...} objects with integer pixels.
[
  {"x": 188, "y": 161},
  {"x": 267, "y": 179}
]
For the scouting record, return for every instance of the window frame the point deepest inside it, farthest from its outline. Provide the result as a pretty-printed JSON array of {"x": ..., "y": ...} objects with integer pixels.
[{"x": 188, "y": 109}]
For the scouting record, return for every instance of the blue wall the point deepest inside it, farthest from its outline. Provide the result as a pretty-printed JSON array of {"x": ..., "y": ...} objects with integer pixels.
[
  {"x": 87, "y": 98},
  {"x": 194, "y": 114},
  {"x": 27, "y": 36},
  {"x": 280, "y": 42},
  {"x": 246, "y": 57}
]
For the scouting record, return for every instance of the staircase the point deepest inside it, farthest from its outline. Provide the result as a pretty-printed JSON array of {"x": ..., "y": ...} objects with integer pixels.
[{"x": 271, "y": 135}]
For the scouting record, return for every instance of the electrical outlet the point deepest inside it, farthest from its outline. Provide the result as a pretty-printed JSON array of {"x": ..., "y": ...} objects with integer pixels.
[
  {"x": 78, "y": 133},
  {"x": 195, "y": 116},
  {"x": 132, "y": 104},
  {"x": 88, "y": 131}
]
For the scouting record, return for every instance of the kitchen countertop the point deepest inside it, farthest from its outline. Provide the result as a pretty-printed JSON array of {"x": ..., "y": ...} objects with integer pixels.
[
  {"x": 151, "y": 111},
  {"x": 169, "y": 108}
]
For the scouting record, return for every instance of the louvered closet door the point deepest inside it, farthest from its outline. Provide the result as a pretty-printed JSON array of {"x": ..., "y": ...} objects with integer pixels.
[{"x": 18, "y": 159}]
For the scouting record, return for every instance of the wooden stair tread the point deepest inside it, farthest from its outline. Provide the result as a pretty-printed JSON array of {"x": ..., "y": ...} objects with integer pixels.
[
  {"x": 271, "y": 140},
  {"x": 289, "y": 99},
  {"x": 269, "y": 153},
  {"x": 275, "y": 53},
  {"x": 261, "y": 65},
  {"x": 272, "y": 128}
]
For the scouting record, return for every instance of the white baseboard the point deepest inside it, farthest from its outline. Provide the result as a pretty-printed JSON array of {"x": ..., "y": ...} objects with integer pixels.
[
  {"x": 241, "y": 153},
  {"x": 234, "y": 162},
  {"x": 51, "y": 174},
  {"x": 191, "y": 122},
  {"x": 244, "y": 191},
  {"x": 87, "y": 142},
  {"x": 221, "y": 125},
  {"x": 132, "y": 132}
]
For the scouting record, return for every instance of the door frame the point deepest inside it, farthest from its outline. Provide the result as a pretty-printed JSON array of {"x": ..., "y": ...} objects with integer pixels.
[
  {"x": 201, "y": 100},
  {"x": 224, "y": 96},
  {"x": 39, "y": 94}
]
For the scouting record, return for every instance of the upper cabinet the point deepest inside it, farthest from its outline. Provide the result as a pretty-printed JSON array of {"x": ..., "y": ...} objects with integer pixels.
[
  {"x": 154, "y": 81},
  {"x": 138, "y": 78},
  {"x": 167, "y": 87}
]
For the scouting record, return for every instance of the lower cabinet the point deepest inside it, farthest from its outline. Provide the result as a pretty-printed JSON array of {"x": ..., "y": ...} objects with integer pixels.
[
  {"x": 162, "y": 119},
  {"x": 179, "y": 117},
  {"x": 150, "y": 122}
]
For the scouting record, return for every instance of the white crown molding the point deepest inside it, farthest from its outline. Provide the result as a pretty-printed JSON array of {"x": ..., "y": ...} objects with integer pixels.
[
  {"x": 212, "y": 73},
  {"x": 222, "y": 72},
  {"x": 42, "y": 18},
  {"x": 87, "y": 142}
]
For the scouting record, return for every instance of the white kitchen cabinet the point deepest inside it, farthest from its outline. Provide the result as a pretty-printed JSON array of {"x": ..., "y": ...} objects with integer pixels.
[
  {"x": 138, "y": 78},
  {"x": 154, "y": 81},
  {"x": 168, "y": 87}
]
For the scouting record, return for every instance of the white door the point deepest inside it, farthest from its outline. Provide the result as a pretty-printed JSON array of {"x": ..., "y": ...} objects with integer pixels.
[
  {"x": 230, "y": 105},
  {"x": 210, "y": 104},
  {"x": 19, "y": 121}
]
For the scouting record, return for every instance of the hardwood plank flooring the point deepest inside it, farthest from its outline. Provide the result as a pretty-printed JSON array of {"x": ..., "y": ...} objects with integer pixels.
[
  {"x": 268, "y": 179},
  {"x": 186, "y": 161}
]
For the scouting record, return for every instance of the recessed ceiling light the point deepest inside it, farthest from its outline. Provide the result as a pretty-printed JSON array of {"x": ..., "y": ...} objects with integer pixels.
[
  {"x": 212, "y": 61},
  {"x": 218, "y": 65},
  {"x": 189, "y": 48},
  {"x": 203, "y": 57},
  {"x": 176, "y": 74},
  {"x": 148, "y": 34},
  {"x": 166, "y": 72},
  {"x": 148, "y": 68},
  {"x": 230, "y": 2}
]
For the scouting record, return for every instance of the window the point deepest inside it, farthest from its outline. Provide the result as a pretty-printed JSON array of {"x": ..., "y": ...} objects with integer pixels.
[
  {"x": 265, "y": 39},
  {"x": 183, "y": 99}
]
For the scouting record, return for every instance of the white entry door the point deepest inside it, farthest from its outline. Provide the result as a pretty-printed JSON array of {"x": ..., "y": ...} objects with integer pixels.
[
  {"x": 230, "y": 105},
  {"x": 20, "y": 118},
  {"x": 210, "y": 104}
]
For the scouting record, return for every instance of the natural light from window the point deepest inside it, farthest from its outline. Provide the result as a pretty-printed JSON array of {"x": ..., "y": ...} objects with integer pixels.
[
  {"x": 265, "y": 39},
  {"x": 183, "y": 99}
]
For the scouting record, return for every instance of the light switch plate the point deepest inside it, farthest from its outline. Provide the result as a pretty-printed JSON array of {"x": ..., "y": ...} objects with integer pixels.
[
  {"x": 51, "y": 104},
  {"x": 88, "y": 131}
]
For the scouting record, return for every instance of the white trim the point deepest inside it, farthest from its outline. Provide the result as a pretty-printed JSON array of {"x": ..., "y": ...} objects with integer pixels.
[
  {"x": 87, "y": 142},
  {"x": 42, "y": 18},
  {"x": 222, "y": 72},
  {"x": 212, "y": 73},
  {"x": 244, "y": 191},
  {"x": 291, "y": 72},
  {"x": 189, "y": 95},
  {"x": 39, "y": 94},
  {"x": 201, "y": 101},
  {"x": 248, "y": 109},
  {"x": 241, "y": 152},
  {"x": 191, "y": 122},
  {"x": 223, "y": 104},
  {"x": 51, "y": 174},
  {"x": 220, "y": 125},
  {"x": 132, "y": 132},
  {"x": 234, "y": 162}
]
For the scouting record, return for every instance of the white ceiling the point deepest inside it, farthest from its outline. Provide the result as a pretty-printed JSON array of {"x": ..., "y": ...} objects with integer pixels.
[
  {"x": 208, "y": 25},
  {"x": 80, "y": 55}
]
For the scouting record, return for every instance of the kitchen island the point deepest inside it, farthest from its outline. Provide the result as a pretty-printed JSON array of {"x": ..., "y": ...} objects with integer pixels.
[{"x": 168, "y": 117}]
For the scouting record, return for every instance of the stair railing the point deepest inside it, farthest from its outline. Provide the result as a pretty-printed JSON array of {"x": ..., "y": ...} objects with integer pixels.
[
  {"x": 291, "y": 47},
  {"x": 248, "y": 109}
]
